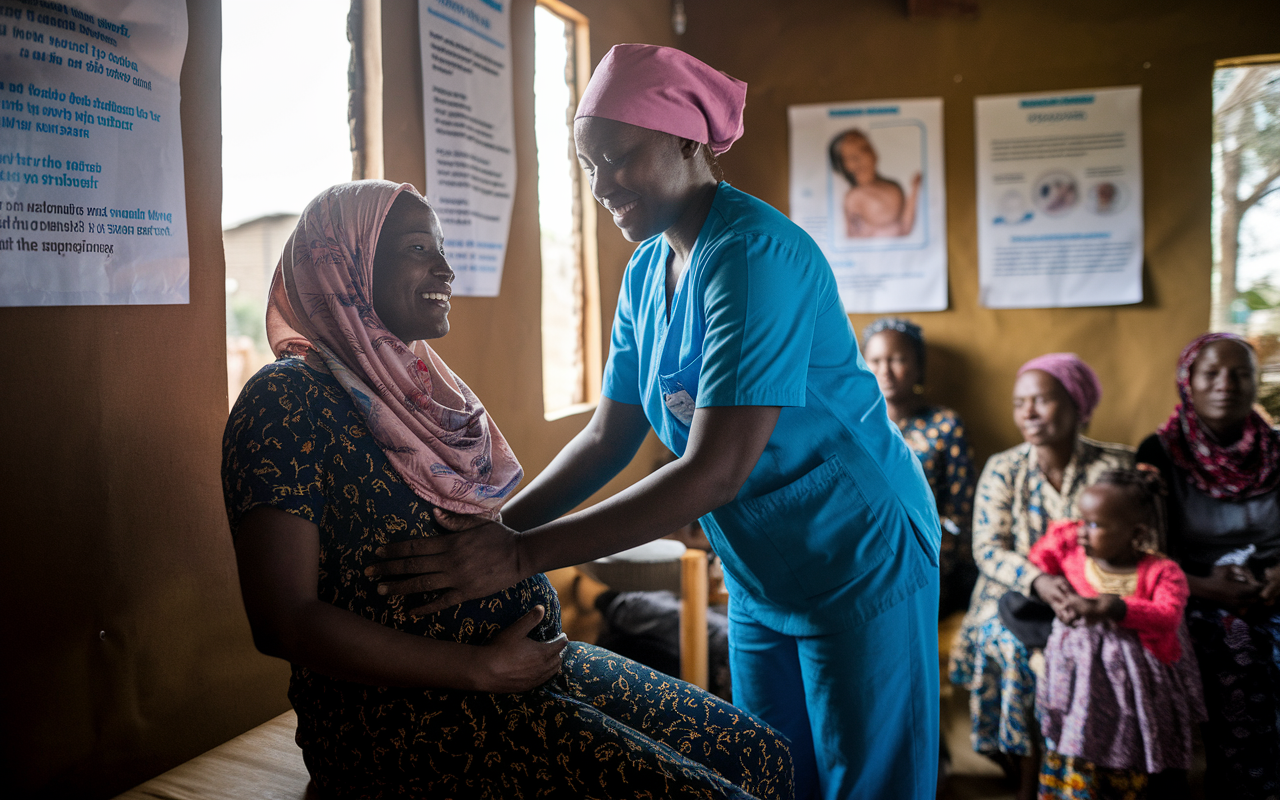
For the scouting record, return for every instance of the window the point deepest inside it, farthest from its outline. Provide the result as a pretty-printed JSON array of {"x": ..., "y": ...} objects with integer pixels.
[
  {"x": 285, "y": 137},
  {"x": 1246, "y": 195},
  {"x": 566, "y": 216},
  {"x": 1246, "y": 211}
]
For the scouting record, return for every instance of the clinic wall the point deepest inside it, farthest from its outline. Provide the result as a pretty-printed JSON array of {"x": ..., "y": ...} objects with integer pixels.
[
  {"x": 822, "y": 51},
  {"x": 126, "y": 646},
  {"x": 495, "y": 343}
]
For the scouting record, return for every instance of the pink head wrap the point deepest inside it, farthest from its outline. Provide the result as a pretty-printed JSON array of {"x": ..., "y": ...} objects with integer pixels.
[
  {"x": 433, "y": 429},
  {"x": 668, "y": 90},
  {"x": 1077, "y": 377}
]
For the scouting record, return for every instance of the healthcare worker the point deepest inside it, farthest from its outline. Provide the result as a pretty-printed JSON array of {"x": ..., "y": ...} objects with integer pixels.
[{"x": 731, "y": 341}]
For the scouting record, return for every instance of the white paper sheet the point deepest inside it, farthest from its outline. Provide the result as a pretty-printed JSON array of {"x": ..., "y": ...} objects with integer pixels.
[
  {"x": 884, "y": 234},
  {"x": 470, "y": 134},
  {"x": 92, "y": 192},
  {"x": 1060, "y": 198}
]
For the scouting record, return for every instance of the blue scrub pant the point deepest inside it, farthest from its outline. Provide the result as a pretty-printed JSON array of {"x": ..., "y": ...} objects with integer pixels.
[{"x": 860, "y": 707}]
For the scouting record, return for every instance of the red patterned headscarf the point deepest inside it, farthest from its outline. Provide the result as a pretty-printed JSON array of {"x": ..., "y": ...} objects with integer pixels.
[
  {"x": 434, "y": 431},
  {"x": 1246, "y": 468}
]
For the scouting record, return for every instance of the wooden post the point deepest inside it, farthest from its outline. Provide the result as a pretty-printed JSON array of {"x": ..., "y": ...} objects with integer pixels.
[{"x": 693, "y": 618}]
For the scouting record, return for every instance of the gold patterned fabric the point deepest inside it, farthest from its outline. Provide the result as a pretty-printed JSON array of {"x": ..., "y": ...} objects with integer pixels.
[
  {"x": 605, "y": 727},
  {"x": 1121, "y": 584}
]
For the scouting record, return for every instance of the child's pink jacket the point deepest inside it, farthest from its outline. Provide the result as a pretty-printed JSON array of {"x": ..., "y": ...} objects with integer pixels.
[{"x": 1155, "y": 608}]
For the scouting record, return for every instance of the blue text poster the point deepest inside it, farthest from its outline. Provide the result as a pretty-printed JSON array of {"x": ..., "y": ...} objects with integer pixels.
[
  {"x": 1060, "y": 198},
  {"x": 92, "y": 197}
]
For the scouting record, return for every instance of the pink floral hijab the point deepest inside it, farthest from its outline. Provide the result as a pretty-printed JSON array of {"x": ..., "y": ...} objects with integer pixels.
[{"x": 433, "y": 429}]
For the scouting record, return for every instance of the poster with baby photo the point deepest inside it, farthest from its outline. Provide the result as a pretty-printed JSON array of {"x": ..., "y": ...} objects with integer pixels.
[{"x": 867, "y": 185}]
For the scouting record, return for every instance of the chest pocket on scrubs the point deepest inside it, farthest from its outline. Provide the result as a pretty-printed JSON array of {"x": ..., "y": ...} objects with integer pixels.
[
  {"x": 809, "y": 537},
  {"x": 680, "y": 391}
]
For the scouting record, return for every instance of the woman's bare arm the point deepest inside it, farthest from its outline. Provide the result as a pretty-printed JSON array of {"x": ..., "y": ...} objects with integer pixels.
[
  {"x": 278, "y": 555},
  {"x": 724, "y": 446},
  {"x": 590, "y": 460}
]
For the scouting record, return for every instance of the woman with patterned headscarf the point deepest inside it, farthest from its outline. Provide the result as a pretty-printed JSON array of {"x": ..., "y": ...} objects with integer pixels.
[
  {"x": 1020, "y": 492},
  {"x": 361, "y": 436},
  {"x": 731, "y": 343},
  {"x": 1222, "y": 463}
]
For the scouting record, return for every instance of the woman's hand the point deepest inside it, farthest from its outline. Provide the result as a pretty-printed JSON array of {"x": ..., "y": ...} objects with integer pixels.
[
  {"x": 1229, "y": 585},
  {"x": 512, "y": 662},
  {"x": 1057, "y": 592},
  {"x": 1270, "y": 592},
  {"x": 480, "y": 559},
  {"x": 1096, "y": 609}
]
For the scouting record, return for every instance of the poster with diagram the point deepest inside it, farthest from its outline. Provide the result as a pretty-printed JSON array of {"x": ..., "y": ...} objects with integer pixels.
[
  {"x": 867, "y": 184},
  {"x": 1060, "y": 198},
  {"x": 469, "y": 129},
  {"x": 92, "y": 189}
]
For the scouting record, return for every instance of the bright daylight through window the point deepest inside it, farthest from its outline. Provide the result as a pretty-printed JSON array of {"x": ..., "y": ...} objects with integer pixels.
[
  {"x": 570, "y": 373},
  {"x": 285, "y": 137},
  {"x": 1246, "y": 210}
]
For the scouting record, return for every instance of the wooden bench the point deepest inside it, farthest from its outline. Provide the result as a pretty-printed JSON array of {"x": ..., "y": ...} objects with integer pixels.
[{"x": 261, "y": 763}]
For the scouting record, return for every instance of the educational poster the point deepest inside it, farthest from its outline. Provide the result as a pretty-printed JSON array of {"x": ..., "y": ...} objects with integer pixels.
[
  {"x": 1060, "y": 198},
  {"x": 92, "y": 197},
  {"x": 470, "y": 134},
  {"x": 867, "y": 185}
]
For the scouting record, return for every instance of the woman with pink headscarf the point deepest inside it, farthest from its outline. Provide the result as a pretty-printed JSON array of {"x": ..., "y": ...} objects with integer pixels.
[
  {"x": 1021, "y": 491},
  {"x": 731, "y": 343},
  {"x": 360, "y": 436}
]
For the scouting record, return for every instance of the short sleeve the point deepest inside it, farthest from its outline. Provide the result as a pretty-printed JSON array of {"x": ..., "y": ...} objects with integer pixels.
[
  {"x": 760, "y": 316},
  {"x": 269, "y": 452},
  {"x": 622, "y": 369}
]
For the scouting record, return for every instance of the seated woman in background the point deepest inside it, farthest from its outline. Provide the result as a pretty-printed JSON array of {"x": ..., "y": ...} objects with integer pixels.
[
  {"x": 894, "y": 351},
  {"x": 1222, "y": 464},
  {"x": 361, "y": 436},
  {"x": 1020, "y": 492}
]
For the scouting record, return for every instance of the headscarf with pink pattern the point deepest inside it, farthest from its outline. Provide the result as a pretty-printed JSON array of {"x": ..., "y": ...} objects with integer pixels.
[
  {"x": 1246, "y": 468},
  {"x": 434, "y": 431}
]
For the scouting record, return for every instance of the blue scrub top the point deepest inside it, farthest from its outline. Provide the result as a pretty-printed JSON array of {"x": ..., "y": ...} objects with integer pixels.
[{"x": 836, "y": 522}]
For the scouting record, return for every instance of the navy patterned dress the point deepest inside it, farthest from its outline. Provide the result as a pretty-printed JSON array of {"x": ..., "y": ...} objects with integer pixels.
[
  {"x": 604, "y": 727},
  {"x": 937, "y": 436}
]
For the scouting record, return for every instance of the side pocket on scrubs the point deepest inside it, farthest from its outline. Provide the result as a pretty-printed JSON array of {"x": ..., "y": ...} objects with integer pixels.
[
  {"x": 680, "y": 391},
  {"x": 821, "y": 527}
]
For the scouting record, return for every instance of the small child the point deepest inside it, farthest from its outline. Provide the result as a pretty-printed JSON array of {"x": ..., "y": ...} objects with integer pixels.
[{"x": 1121, "y": 689}]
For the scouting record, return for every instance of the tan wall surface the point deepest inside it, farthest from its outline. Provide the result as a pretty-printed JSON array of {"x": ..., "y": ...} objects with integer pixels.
[
  {"x": 821, "y": 51},
  {"x": 114, "y": 520},
  {"x": 495, "y": 343}
]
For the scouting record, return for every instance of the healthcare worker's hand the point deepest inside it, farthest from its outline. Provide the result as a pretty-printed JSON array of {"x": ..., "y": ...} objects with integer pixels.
[{"x": 481, "y": 558}]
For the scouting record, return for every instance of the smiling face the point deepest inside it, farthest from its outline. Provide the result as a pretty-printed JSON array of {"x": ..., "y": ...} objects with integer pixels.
[
  {"x": 892, "y": 359},
  {"x": 1223, "y": 384},
  {"x": 645, "y": 179},
  {"x": 1043, "y": 410},
  {"x": 1111, "y": 525},
  {"x": 411, "y": 278}
]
